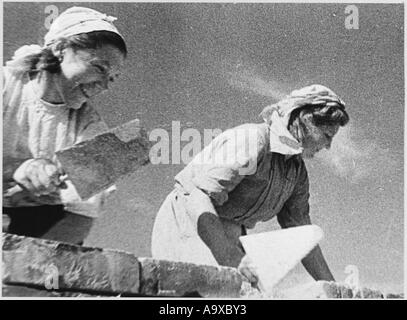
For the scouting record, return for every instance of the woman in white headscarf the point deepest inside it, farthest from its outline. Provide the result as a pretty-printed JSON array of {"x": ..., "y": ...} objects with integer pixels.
[
  {"x": 248, "y": 174},
  {"x": 45, "y": 108}
]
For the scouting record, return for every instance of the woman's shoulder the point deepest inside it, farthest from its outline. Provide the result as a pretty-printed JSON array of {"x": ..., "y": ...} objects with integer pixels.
[
  {"x": 11, "y": 76},
  {"x": 14, "y": 82},
  {"x": 258, "y": 130},
  {"x": 249, "y": 134}
]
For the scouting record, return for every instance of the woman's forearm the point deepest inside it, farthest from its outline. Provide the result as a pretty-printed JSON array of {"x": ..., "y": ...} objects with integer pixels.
[
  {"x": 211, "y": 231},
  {"x": 316, "y": 265}
]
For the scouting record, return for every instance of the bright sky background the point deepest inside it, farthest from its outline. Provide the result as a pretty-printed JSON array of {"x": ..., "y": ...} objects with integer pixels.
[{"x": 217, "y": 65}]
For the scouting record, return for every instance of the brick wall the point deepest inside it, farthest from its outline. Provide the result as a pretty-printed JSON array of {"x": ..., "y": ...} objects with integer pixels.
[{"x": 43, "y": 268}]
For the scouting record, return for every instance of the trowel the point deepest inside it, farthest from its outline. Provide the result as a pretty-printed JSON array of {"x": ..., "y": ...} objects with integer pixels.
[
  {"x": 275, "y": 253},
  {"x": 96, "y": 164}
]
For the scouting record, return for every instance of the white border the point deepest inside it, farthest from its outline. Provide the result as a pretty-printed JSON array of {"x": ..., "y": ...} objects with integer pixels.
[{"x": 217, "y": 1}]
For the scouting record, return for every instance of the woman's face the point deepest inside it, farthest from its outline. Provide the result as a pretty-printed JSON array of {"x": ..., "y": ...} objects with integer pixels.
[
  {"x": 87, "y": 72},
  {"x": 317, "y": 138}
]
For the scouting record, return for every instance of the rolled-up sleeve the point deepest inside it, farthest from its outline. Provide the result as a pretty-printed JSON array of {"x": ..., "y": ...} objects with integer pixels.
[
  {"x": 226, "y": 161},
  {"x": 295, "y": 211}
]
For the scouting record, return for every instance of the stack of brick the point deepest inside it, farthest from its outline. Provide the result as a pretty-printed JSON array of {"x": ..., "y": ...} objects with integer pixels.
[
  {"x": 333, "y": 290},
  {"x": 43, "y": 268},
  {"x": 36, "y": 267}
]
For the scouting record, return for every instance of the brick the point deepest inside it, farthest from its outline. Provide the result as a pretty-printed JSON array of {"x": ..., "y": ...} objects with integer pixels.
[
  {"x": 178, "y": 279},
  {"x": 367, "y": 293},
  {"x": 394, "y": 296},
  {"x": 21, "y": 291},
  {"x": 249, "y": 292},
  {"x": 37, "y": 262},
  {"x": 319, "y": 290},
  {"x": 96, "y": 164},
  {"x": 329, "y": 290},
  {"x": 314, "y": 290},
  {"x": 345, "y": 292}
]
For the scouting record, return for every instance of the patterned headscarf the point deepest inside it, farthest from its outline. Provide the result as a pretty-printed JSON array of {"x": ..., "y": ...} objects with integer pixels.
[
  {"x": 278, "y": 115},
  {"x": 77, "y": 20},
  {"x": 73, "y": 21}
]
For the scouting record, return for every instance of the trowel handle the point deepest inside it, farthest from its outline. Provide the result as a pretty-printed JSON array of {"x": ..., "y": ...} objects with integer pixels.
[
  {"x": 13, "y": 191},
  {"x": 15, "y": 194}
]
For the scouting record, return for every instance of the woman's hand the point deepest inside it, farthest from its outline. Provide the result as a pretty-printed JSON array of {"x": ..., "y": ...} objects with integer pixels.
[
  {"x": 40, "y": 177},
  {"x": 248, "y": 270}
]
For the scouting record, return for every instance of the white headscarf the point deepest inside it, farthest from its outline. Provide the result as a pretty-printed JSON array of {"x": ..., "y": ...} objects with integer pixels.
[
  {"x": 73, "y": 21},
  {"x": 278, "y": 115},
  {"x": 77, "y": 20}
]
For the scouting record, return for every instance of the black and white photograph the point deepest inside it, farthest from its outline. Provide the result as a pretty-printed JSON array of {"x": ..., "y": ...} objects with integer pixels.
[{"x": 203, "y": 150}]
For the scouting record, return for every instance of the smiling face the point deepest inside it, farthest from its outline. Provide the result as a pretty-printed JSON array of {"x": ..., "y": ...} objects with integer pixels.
[
  {"x": 317, "y": 138},
  {"x": 87, "y": 72}
]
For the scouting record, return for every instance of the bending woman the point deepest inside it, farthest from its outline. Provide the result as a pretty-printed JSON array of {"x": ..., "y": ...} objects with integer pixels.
[
  {"x": 248, "y": 174},
  {"x": 46, "y": 108}
]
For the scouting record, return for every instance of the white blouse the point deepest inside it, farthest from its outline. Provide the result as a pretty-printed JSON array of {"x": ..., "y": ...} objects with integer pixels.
[{"x": 33, "y": 128}]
